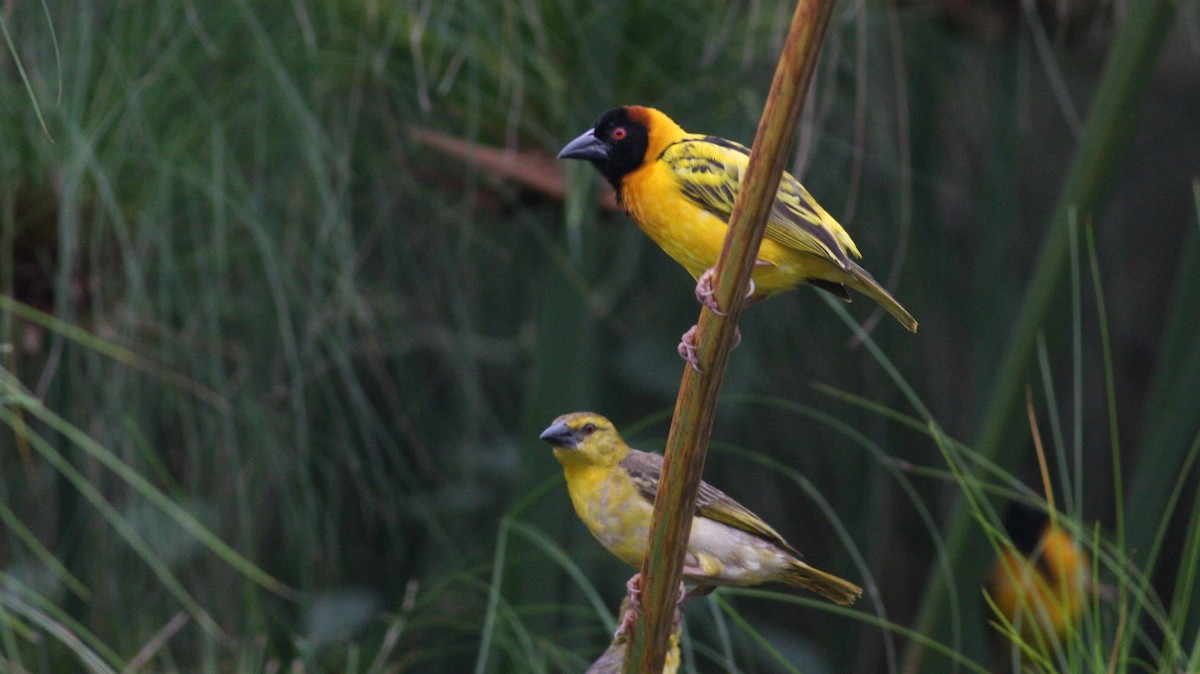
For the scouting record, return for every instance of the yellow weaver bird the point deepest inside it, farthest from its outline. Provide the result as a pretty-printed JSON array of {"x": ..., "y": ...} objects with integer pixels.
[
  {"x": 679, "y": 187},
  {"x": 612, "y": 487},
  {"x": 612, "y": 660},
  {"x": 1042, "y": 584}
]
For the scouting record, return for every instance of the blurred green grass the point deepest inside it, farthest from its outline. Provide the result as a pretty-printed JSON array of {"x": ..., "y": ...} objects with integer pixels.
[{"x": 234, "y": 270}]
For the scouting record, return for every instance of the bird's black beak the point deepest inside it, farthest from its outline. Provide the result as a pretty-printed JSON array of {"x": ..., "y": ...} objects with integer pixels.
[
  {"x": 559, "y": 434},
  {"x": 586, "y": 146}
]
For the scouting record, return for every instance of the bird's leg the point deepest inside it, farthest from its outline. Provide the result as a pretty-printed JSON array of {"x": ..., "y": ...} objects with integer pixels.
[
  {"x": 706, "y": 294},
  {"x": 697, "y": 592},
  {"x": 700, "y": 590},
  {"x": 634, "y": 588},
  {"x": 625, "y": 627},
  {"x": 688, "y": 346}
]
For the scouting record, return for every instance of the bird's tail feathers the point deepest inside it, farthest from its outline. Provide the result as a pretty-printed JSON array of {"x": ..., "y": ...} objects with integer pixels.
[
  {"x": 827, "y": 585},
  {"x": 863, "y": 282}
]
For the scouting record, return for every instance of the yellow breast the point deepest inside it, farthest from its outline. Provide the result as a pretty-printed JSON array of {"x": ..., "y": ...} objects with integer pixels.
[
  {"x": 693, "y": 237},
  {"x": 690, "y": 235},
  {"x": 609, "y": 504}
]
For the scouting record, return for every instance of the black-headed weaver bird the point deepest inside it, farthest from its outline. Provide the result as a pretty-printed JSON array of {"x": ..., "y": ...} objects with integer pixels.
[
  {"x": 1043, "y": 583},
  {"x": 679, "y": 188},
  {"x": 612, "y": 487},
  {"x": 612, "y": 660}
]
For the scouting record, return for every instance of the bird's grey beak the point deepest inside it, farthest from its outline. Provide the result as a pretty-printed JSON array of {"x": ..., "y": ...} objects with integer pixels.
[
  {"x": 559, "y": 434},
  {"x": 586, "y": 146}
]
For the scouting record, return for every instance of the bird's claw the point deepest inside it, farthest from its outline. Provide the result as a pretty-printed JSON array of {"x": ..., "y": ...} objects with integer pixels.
[
  {"x": 706, "y": 294},
  {"x": 634, "y": 587},
  {"x": 625, "y": 628},
  {"x": 689, "y": 347}
]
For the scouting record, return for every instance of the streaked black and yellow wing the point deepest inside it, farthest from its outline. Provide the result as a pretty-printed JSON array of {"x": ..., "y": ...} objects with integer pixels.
[{"x": 710, "y": 171}]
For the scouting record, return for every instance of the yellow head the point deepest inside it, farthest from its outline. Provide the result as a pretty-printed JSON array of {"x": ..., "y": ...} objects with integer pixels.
[{"x": 586, "y": 439}]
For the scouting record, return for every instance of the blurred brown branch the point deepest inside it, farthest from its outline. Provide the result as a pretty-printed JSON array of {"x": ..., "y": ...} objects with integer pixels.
[{"x": 530, "y": 169}]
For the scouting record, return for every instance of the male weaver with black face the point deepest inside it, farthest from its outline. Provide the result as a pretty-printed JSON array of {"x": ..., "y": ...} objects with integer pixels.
[
  {"x": 1043, "y": 583},
  {"x": 679, "y": 188}
]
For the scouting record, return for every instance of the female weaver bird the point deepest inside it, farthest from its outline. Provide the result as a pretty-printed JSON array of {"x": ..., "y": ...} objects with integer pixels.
[
  {"x": 1041, "y": 585},
  {"x": 612, "y": 487},
  {"x": 679, "y": 187}
]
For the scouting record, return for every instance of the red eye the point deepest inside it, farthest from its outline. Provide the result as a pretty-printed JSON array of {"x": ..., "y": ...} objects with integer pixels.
[
  {"x": 618, "y": 133},
  {"x": 588, "y": 429}
]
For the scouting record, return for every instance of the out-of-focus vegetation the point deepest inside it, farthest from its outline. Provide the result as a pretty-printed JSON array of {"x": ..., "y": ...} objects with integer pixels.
[{"x": 278, "y": 344}]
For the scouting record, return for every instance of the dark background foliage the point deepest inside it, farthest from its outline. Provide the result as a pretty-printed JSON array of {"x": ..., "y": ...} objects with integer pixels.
[{"x": 331, "y": 286}]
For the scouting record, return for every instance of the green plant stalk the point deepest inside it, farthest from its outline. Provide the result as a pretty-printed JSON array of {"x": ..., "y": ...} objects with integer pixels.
[
  {"x": 1171, "y": 426},
  {"x": 12, "y": 308},
  {"x": 563, "y": 377},
  {"x": 1135, "y": 49},
  {"x": 38, "y": 609},
  {"x": 20, "y": 399},
  {"x": 695, "y": 407},
  {"x": 959, "y": 659},
  {"x": 121, "y": 524},
  {"x": 1118, "y": 481},
  {"x": 12, "y": 49}
]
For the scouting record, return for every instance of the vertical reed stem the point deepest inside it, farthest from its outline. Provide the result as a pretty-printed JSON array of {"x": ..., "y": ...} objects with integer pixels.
[{"x": 696, "y": 405}]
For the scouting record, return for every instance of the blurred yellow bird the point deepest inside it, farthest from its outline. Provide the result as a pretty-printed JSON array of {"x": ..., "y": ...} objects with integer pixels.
[
  {"x": 612, "y": 487},
  {"x": 1041, "y": 585},
  {"x": 679, "y": 187},
  {"x": 612, "y": 660}
]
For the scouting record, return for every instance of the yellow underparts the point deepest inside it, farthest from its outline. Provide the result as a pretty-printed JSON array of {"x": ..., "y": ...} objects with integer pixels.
[
  {"x": 612, "y": 508},
  {"x": 693, "y": 237},
  {"x": 608, "y": 502}
]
